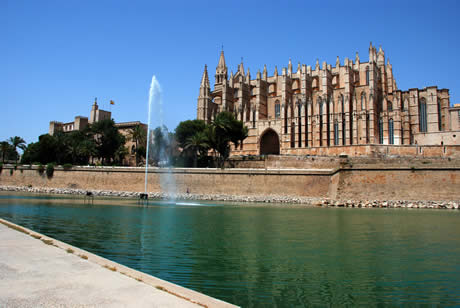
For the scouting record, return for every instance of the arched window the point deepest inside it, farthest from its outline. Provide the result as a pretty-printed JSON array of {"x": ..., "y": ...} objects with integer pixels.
[
  {"x": 390, "y": 106},
  {"x": 422, "y": 115},
  {"x": 363, "y": 101},
  {"x": 320, "y": 121},
  {"x": 277, "y": 109},
  {"x": 402, "y": 105},
  {"x": 285, "y": 107},
  {"x": 367, "y": 75},
  {"x": 402, "y": 133},
  {"x": 320, "y": 106},
  {"x": 328, "y": 123},
  {"x": 292, "y": 135},
  {"x": 336, "y": 133},
  {"x": 439, "y": 116},
  {"x": 299, "y": 113},
  {"x": 307, "y": 105},
  {"x": 391, "y": 138},
  {"x": 254, "y": 118},
  {"x": 351, "y": 119},
  {"x": 381, "y": 131},
  {"x": 367, "y": 128},
  {"x": 343, "y": 120}
]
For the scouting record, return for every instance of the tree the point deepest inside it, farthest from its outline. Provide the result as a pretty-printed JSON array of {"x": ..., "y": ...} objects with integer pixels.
[
  {"x": 158, "y": 145},
  {"x": 107, "y": 139},
  {"x": 73, "y": 144},
  {"x": 4, "y": 148},
  {"x": 139, "y": 135},
  {"x": 87, "y": 150},
  {"x": 187, "y": 129},
  {"x": 223, "y": 130},
  {"x": 17, "y": 142},
  {"x": 198, "y": 144}
]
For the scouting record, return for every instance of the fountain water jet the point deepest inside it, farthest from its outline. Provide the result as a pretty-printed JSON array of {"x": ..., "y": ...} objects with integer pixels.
[{"x": 158, "y": 140}]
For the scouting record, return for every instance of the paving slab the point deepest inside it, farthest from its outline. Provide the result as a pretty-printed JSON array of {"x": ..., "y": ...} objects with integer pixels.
[{"x": 42, "y": 272}]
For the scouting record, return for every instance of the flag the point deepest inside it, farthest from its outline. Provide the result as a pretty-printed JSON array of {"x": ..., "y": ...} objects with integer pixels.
[{"x": 112, "y": 102}]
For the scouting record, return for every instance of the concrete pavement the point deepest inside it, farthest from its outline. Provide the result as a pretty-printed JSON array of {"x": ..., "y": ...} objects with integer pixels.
[{"x": 38, "y": 271}]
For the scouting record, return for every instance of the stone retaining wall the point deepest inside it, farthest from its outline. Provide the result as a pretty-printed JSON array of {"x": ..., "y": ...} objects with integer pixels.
[{"x": 356, "y": 182}]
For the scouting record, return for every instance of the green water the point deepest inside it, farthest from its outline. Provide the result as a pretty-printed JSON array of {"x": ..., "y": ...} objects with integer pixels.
[{"x": 259, "y": 256}]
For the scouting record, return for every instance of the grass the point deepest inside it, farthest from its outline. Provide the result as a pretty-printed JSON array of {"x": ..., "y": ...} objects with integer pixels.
[{"x": 69, "y": 250}]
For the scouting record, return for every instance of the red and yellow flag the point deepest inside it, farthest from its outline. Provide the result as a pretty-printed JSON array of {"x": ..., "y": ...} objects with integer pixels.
[{"x": 112, "y": 102}]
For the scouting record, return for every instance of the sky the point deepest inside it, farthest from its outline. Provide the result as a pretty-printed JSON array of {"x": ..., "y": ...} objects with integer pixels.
[{"x": 57, "y": 56}]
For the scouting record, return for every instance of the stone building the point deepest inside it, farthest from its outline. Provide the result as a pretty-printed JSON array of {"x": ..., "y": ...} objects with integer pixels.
[
  {"x": 349, "y": 104},
  {"x": 96, "y": 115}
]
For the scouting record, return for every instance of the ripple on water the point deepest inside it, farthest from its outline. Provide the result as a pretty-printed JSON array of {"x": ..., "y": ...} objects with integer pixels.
[{"x": 266, "y": 256}]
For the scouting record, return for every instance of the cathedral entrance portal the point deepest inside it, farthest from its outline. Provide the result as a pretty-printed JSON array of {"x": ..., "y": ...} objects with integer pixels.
[{"x": 269, "y": 143}]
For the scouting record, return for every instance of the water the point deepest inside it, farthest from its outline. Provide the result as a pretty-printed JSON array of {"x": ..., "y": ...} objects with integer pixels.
[
  {"x": 158, "y": 140},
  {"x": 258, "y": 256}
]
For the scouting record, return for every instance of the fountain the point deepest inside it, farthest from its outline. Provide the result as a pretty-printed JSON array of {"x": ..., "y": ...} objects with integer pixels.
[{"x": 158, "y": 142}]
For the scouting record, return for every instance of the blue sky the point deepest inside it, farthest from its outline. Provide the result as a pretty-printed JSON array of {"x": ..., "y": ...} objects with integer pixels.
[{"x": 57, "y": 56}]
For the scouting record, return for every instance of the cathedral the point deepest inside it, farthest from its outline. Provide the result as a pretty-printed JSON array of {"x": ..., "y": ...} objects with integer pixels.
[{"x": 350, "y": 104}]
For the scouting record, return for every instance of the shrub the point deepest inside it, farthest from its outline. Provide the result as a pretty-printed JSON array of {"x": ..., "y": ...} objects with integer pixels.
[
  {"x": 11, "y": 171},
  {"x": 67, "y": 167},
  {"x": 50, "y": 170},
  {"x": 40, "y": 169},
  {"x": 1, "y": 167}
]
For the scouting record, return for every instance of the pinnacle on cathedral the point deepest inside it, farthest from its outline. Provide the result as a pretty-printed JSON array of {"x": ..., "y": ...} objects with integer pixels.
[
  {"x": 205, "y": 78},
  {"x": 361, "y": 93},
  {"x": 221, "y": 64}
]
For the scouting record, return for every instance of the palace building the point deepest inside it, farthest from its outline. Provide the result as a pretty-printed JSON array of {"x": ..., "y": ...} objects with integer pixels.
[
  {"x": 350, "y": 104},
  {"x": 96, "y": 115}
]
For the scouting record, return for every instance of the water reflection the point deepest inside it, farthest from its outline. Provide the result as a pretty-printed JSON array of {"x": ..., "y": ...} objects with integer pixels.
[{"x": 267, "y": 256}]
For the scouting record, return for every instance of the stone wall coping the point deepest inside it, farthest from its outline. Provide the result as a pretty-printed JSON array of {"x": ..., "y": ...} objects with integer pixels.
[{"x": 249, "y": 171}]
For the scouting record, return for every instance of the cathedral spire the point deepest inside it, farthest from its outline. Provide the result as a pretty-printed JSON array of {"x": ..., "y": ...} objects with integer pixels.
[
  {"x": 205, "y": 78},
  {"x": 265, "y": 72},
  {"x": 337, "y": 62},
  {"x": 221, "y": 64},
  {"x": 276, "y": 71},
  {"x": 221, "y": 70},
  {"x": 290, "y": 67}
]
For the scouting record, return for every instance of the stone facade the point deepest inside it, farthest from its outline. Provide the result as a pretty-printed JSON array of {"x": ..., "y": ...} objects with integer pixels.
[
  {"x": 96, "y": 115},
  {"x": 354, "y": 103}
]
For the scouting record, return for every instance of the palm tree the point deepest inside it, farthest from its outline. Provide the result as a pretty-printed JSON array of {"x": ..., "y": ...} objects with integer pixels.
[
  {"x": 87, "y": 149},
  {"x": 17, "y": 142},
  {"x": 139, "y": 136},
  {"x": 198, "y": 144},
  {"x": 4, "y": 147}
]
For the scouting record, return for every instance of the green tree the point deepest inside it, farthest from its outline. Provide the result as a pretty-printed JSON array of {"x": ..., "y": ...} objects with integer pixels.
[
  {"x": 4, "y": 148},
  {"x": 107, "y": 139},
  {"x": 139, "y": 136},
  {"x": 223, "y": 130},
  {"x": 187, "y": 129},
  {"x": 198, "y": 144},
  {"x": 87, "y": 150},
  {"x": 17, "y": 142},
  {"x": 73, "y": 144}
]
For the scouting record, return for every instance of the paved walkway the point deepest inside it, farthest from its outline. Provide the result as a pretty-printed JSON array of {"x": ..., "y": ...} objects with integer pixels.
[{"x": 36, "y": 274}]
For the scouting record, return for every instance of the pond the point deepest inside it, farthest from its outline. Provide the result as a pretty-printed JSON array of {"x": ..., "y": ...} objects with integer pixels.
[{"x": 256, "y": 255}]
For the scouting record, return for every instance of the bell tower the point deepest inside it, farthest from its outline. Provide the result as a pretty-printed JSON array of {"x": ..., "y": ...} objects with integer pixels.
[{"x": 221, "y": 70}]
